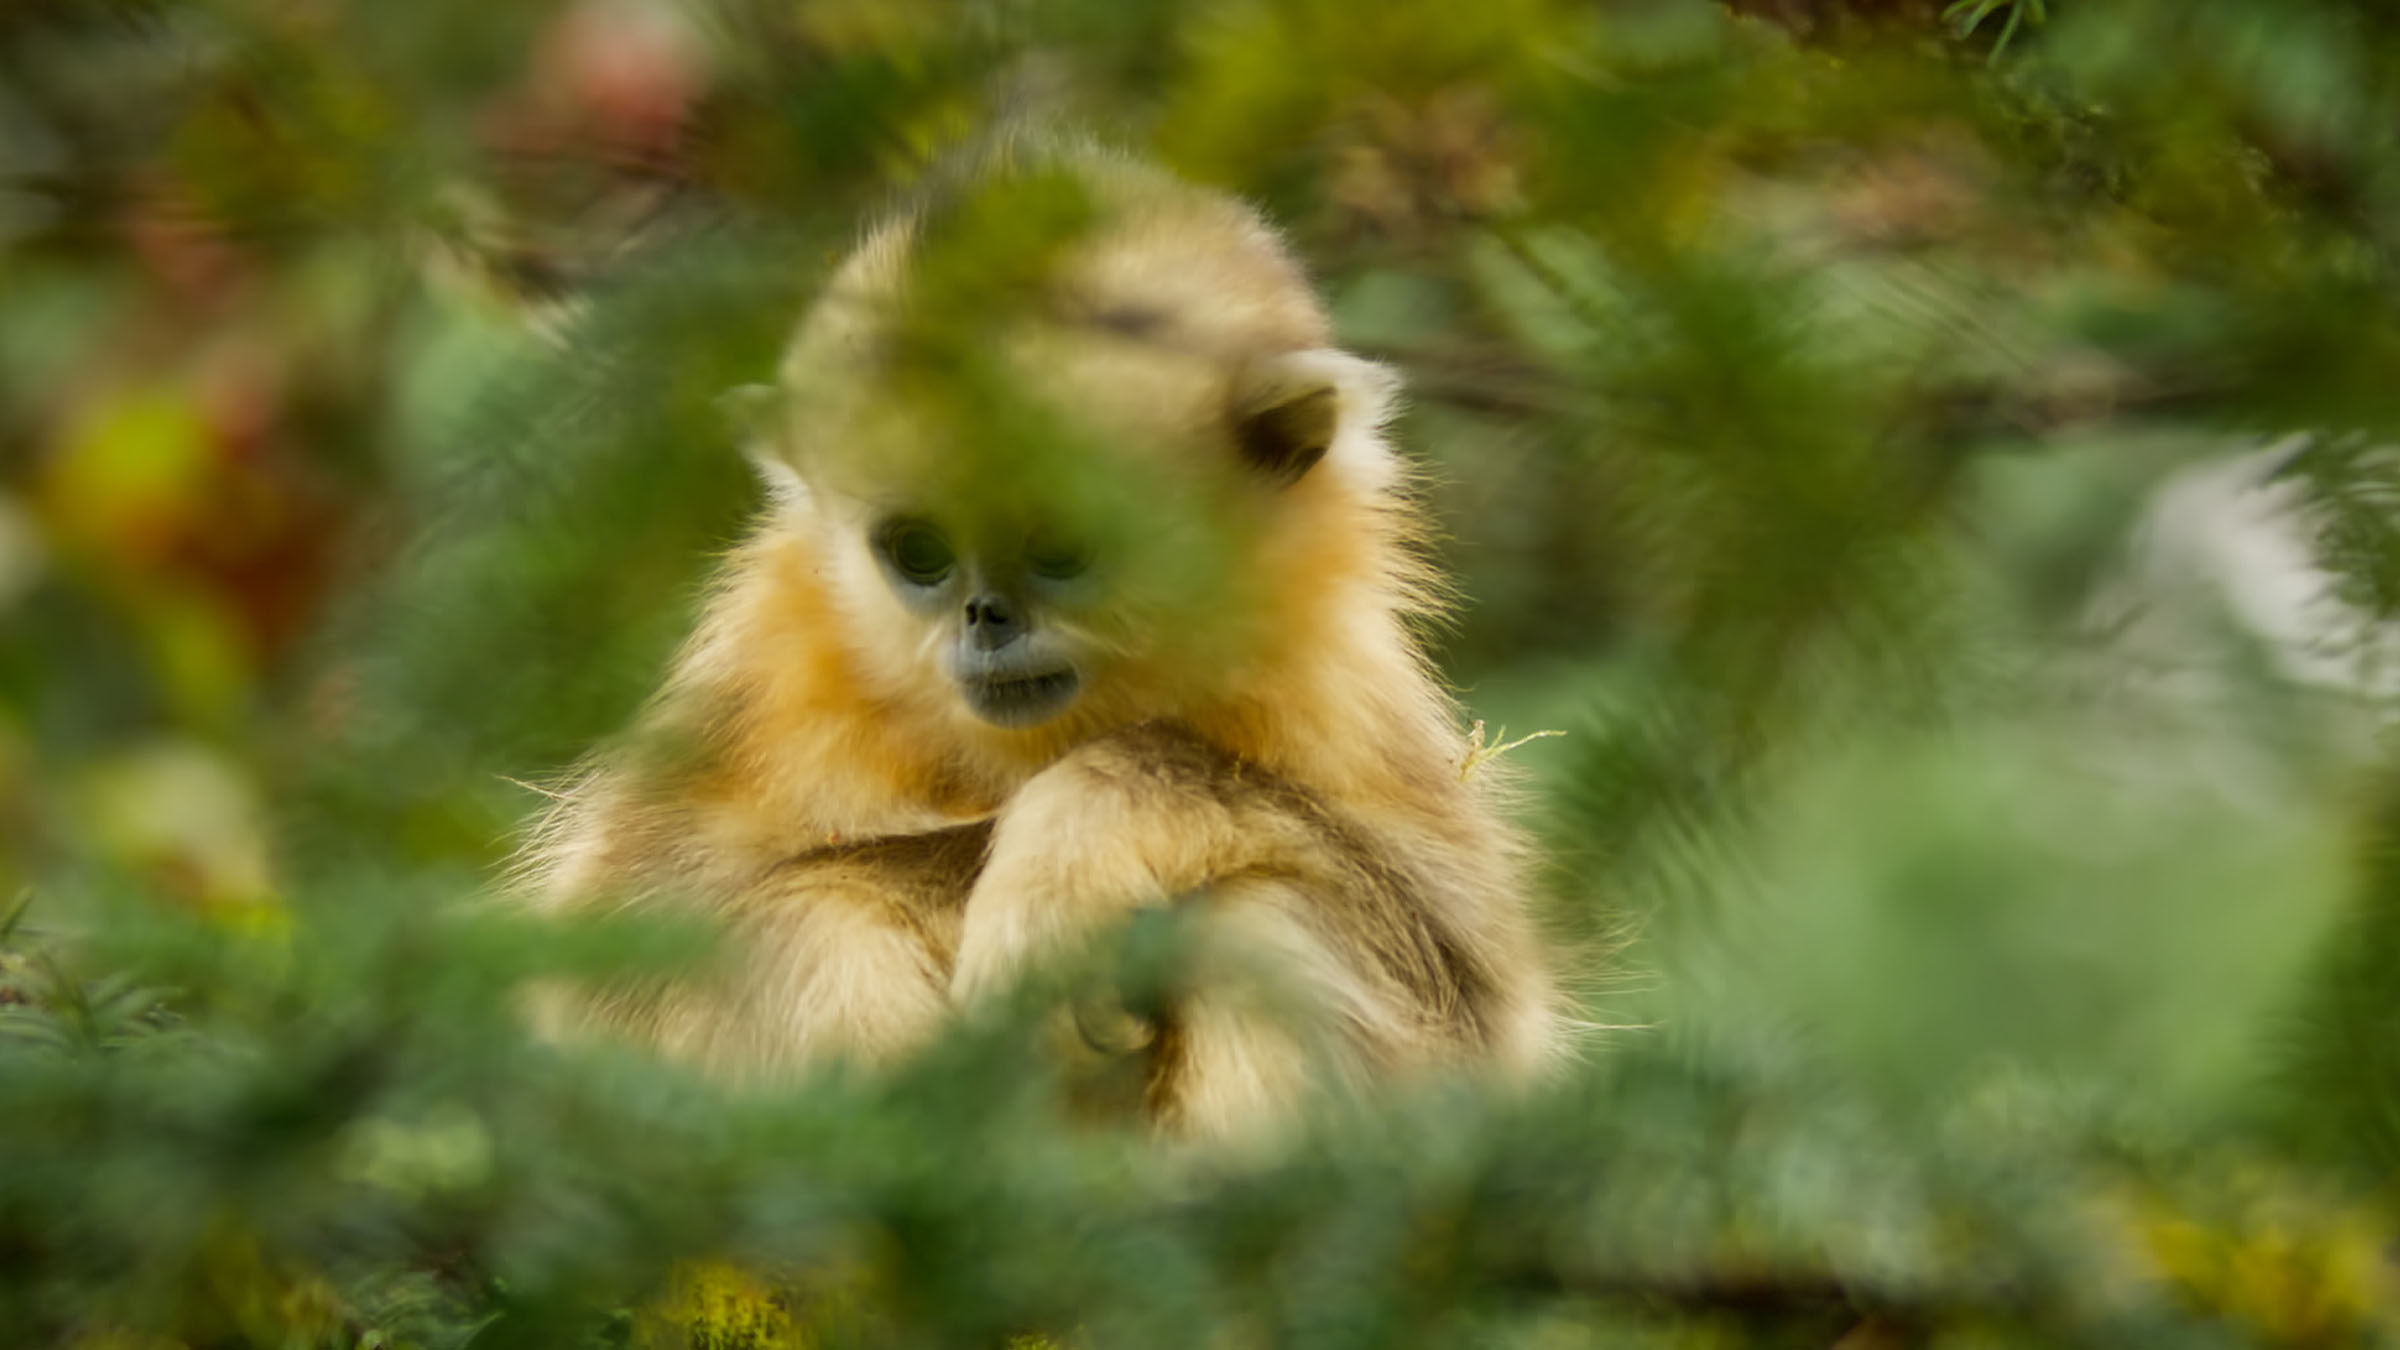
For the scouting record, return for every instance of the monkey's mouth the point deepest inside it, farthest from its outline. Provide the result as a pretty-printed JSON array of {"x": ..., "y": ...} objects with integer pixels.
[{"x": 1022, "y": 700}]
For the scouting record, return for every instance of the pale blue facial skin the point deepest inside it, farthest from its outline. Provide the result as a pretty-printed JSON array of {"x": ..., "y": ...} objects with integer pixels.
[{"x": 1012, "y": 670}]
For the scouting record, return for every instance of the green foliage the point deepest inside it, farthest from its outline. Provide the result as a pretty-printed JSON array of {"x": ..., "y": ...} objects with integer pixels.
[
  {"x": 1968, "y": 15},
  {"x": 1979, "y": 879}
]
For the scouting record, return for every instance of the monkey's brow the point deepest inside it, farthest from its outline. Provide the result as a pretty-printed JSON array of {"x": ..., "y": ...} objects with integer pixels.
[
  {"x": 1127, "y": 318},
  {"x": 1133, "y": 321}
]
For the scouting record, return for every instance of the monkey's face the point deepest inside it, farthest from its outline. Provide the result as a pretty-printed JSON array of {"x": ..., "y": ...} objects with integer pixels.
[
  {"x": 993, "y": 603},
  {"x": 1109, "y": 539},
  {"x": 1108, "y": 545}
]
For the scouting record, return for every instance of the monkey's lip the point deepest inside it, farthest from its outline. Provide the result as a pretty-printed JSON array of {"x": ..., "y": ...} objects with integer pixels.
[{"x": 1022, "y": 700}]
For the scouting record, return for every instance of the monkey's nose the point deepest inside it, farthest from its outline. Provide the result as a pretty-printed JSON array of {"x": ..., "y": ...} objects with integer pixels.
[{"x": 992, "y": 622}]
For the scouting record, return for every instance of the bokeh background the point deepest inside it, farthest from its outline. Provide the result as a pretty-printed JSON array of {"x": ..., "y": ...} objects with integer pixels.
[{"x": 1934, "y": 463}]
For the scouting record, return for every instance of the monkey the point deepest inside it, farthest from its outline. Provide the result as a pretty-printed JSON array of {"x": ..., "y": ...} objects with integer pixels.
[{"x": 1135, "y": 626}]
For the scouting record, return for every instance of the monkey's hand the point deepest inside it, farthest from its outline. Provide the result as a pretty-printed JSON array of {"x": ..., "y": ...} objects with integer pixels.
[
  {"x": 1290, "y": 968},
  {"x": 1126, "y": 822}
]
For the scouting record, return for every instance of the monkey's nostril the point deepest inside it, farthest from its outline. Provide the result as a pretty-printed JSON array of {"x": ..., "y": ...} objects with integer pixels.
[{"x": 991, "y": 620}]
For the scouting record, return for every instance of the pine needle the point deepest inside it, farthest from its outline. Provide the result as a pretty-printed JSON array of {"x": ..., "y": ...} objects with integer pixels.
[{"x": 1481, "y": 752}]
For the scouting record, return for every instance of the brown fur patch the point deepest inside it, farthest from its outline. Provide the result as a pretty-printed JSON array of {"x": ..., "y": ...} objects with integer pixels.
[{"x": 922, "y": 879}]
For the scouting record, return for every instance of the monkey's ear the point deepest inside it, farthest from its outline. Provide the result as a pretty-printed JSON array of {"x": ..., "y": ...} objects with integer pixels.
[
  {"x": 753, "y": 409},
  {"x": 1289, "y": 409}
]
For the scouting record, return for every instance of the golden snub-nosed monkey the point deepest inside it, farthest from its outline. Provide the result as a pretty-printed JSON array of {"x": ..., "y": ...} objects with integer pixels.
[{"x": 1085, "y": 587}]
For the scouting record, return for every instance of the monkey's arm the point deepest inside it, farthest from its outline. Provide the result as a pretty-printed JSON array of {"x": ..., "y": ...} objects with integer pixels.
[
  {"x": 1315, "y": 953},
  {"x": 841, "y": 951}
]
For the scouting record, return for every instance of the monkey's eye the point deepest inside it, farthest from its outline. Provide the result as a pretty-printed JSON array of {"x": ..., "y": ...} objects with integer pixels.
[
  {"x": 1055, "y": 556},
  {"x": 918, "y": 551}
]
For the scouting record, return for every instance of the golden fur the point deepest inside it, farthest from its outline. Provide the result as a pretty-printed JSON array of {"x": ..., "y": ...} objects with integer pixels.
[{"x": 1260, "y": 737}]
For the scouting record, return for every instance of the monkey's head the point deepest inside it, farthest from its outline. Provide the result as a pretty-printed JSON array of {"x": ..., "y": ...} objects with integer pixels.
[{"x": 1077, "y": 437}]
